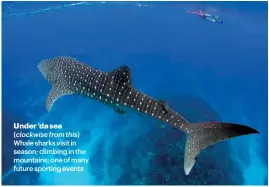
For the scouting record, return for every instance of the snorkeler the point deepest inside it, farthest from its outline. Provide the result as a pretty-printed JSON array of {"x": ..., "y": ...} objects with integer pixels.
[
  {"x": 215, "y": 19},
  {"x": 199, "y": 13}
]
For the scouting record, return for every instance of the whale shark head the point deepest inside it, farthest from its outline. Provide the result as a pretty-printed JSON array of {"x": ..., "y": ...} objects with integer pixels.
[
  {"x": 53, "y": 68},
  {"x": 47, "y": 68}
]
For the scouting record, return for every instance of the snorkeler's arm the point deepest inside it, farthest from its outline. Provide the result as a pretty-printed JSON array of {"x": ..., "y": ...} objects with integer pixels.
[{"x": 193, "y": 12}]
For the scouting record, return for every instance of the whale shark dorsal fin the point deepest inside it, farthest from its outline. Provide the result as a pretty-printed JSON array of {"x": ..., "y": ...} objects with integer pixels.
[
  {"x": 55, "y": 93},
  {"x": 164, "y": 104},
  {"x": 123, "y": 75}
]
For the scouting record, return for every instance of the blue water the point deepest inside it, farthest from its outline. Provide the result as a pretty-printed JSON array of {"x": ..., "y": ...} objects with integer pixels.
[{"x": 204, "y": 70}]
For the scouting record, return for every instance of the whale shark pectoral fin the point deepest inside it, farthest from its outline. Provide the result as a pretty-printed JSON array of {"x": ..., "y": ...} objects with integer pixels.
[
  {"x": 190, "y": 154},
  {"x": 56, "y": 92},
  {"x": 164, "y": 104},
  {"x": 123, "y": 76}
]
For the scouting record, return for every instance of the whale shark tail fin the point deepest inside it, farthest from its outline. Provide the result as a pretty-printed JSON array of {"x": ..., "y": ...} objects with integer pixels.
[{"x": 203, "y": 135}]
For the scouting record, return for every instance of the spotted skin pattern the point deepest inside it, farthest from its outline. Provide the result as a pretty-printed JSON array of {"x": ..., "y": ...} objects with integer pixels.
[{"x": 69, "y": 76}]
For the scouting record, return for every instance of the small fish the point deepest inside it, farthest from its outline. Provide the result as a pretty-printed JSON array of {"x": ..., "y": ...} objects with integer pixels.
[
  {"x": 70, "y": 76},
  {"x": 120, "y": 111}
]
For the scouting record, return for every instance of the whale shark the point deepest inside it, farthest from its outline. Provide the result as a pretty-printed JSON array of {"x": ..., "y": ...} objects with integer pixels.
[{"x": 69, "y": 76}]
